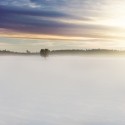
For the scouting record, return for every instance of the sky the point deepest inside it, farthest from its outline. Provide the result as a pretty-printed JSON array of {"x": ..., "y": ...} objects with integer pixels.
[{"x": 62, "y": 24}]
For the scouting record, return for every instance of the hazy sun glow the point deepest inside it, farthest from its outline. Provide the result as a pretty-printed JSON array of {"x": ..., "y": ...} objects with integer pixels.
[{"x": 115, "y": 13}]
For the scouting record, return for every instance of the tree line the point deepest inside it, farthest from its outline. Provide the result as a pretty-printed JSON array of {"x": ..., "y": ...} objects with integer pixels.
[{"x": 47, "y": 52}]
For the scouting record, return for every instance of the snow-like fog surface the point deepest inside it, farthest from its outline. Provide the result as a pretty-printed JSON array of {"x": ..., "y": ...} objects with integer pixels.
[{"x": 62, "y": 90}]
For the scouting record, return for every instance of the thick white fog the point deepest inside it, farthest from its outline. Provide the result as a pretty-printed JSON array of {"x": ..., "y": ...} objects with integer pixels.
[{"x": 62, "y": 90}]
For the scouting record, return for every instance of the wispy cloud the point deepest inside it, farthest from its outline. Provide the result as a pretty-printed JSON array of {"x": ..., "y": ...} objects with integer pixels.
[
  {"x": 56, "y": 20},
  {"x": 62, "y": 19}
]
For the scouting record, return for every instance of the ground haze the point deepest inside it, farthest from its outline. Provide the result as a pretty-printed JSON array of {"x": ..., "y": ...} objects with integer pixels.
[{"x": 62, "y": 90}]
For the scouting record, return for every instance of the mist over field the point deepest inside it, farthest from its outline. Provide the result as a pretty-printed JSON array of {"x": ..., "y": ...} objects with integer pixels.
[{"x": 62, "y": 90}]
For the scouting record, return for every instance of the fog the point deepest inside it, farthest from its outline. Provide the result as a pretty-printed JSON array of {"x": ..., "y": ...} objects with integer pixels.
[{"x": 62, "y": 90}]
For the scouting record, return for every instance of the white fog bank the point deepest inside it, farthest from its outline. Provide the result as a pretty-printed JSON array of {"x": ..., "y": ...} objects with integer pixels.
[{"x": 62, "y": 90}]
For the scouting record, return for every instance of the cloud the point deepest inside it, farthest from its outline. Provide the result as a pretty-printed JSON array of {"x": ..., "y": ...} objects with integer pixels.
[
  {"x": 10, "y": 11},
  {"x": 62, "y": 19},
  {"x": 50, "y": 2},
  {"x": 49, "y": 18},
  {"x": 40, "y": 21}
]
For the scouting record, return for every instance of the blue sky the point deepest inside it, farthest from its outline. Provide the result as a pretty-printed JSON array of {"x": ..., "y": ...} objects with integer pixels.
[{"x": 62, "y": 24}]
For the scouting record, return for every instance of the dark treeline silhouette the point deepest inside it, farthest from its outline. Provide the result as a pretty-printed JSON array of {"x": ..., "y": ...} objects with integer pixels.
[
  {"x": 7, "y": 52},
  {"x": 47, "y": 52},
  {"x": 88, "y": 52}
]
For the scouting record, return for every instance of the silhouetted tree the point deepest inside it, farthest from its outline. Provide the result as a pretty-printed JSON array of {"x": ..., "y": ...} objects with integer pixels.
[
  {"x": 44, "y": 52},
  {"x": 27, "y": 51}
]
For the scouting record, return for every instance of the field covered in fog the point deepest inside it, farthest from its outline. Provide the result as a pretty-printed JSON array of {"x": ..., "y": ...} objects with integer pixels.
[{"x": 62, "y": 90}]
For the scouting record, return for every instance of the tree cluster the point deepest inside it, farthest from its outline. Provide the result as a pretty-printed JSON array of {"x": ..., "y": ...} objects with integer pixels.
[{"x": 44, "y": 52}]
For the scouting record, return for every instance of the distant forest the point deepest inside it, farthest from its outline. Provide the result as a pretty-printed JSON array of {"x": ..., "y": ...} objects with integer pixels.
[
  {"x": 47, "y": 52},
  {"x": 7, "y": 52}
]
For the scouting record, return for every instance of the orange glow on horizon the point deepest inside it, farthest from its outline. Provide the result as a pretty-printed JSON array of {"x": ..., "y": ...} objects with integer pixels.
[{"x": 10, "y": 34}]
